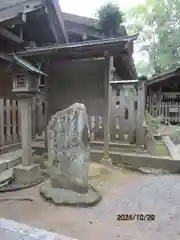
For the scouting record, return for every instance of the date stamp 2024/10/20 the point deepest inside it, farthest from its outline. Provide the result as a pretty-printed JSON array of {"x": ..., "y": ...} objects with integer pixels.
[{"x": 138, "y": 217}]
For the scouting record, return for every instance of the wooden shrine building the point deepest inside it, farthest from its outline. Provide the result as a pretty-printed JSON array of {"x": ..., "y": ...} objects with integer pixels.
[{"x": 163, "y": 97}]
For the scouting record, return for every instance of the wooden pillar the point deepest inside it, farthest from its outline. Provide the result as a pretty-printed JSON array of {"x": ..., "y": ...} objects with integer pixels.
[
  {"x": 160, "y": 97},
  {"x": 1, "y": 122},
  {"x": 8, "y": 122},
  {"x": 150, "y": 100},
  {"x": 26, "y": 130},
  {"x": 46, "y": 114},
  {"x": 34, "y": 117},
  {"x": 106, "y": 160},
  {"x": 121, "y": 114},
  {"x": 113, "y": 113},
  {"x": 140, "y": 130}
]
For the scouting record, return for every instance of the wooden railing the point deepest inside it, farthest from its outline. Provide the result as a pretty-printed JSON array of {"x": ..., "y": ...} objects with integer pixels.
[
  {"x": 10, "y": 131},
  {"x": 169, "y": 112},
  {"x": 96, "y": 127},
  {"x": 10, "y": 126}
]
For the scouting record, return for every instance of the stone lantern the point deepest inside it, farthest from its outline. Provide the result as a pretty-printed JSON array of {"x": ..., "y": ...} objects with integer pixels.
[{"x": 26, "y": 85}]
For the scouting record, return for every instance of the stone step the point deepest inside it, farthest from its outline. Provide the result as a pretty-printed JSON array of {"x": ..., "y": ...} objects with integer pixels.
[
  {"x": 9, "y": 160},
  {"x": 139, "y": 160}
]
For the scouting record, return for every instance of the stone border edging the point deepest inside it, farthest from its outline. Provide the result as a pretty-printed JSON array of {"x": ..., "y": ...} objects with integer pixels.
[
  {"x": 171, "y": 147},
  {"x": 166, "y": 163}
]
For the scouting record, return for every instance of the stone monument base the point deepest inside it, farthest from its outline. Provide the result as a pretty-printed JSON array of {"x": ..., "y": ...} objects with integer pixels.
[
  {"x": 66, "y": 197},
  {"x": 24, "y": 177},
  {"x": 63, "y": 182}
]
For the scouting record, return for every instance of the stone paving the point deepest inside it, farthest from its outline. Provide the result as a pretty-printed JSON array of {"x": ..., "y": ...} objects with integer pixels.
[
  {"x": 123, "y": 192},
  {"x": 10, "y": 230}
]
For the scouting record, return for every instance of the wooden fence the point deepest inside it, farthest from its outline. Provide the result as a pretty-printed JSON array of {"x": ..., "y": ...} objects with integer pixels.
[
  {"x": 126, "y": 118},
  {"x": 10, "y": 125},
  {"x": 10, "y": 132},
  {"x": 96, "y": 127}
]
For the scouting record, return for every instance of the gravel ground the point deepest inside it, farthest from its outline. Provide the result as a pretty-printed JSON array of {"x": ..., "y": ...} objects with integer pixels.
[{"x": 123, "y": 192}]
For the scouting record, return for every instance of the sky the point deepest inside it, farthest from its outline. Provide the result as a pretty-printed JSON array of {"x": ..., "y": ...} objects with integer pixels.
[{"x": 89, "y": 7}]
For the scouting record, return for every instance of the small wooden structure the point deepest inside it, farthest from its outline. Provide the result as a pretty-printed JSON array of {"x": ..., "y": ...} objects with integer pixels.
[
  {"x": 163, "y": 97},
  {"x": 127, "y": 111},
  {"x": 85, "y": 73}
]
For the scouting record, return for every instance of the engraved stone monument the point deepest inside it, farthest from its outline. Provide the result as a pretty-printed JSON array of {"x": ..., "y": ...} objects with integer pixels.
[{"x": 69, "y": 157}]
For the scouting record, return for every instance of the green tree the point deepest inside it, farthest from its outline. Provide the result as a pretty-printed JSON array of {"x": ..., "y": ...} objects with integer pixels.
[
  {"x": 158, "y": 23},
  {"x": 109, "y": 20}
]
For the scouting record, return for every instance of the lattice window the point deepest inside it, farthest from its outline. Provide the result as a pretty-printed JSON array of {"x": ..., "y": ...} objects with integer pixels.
[{"x": 20, "y": 81}]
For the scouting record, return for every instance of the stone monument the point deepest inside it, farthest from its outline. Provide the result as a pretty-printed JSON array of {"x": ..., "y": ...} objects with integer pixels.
[{"x": 69, "y": 157}]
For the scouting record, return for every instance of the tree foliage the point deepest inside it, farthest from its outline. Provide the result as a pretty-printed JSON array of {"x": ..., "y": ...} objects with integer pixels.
[
  {"x": 158, "y": 22},
  {"x": 109, "y": 20}
]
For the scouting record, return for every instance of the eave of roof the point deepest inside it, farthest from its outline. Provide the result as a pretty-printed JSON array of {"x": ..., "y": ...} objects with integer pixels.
[
  {"x": 124, "y": 82},
  {"x": 9, "y": 3},
  {"x": 95, "y": 48},
  {"x": 162, "y": 77},
  {"x": 10, "y": 9},
  {"x": 28, "y": 66}
]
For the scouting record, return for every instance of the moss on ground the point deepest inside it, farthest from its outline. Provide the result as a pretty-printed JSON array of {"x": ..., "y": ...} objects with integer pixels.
[
  {"x": 42, "y": 161},
  {"x": 161, "y": 149}
]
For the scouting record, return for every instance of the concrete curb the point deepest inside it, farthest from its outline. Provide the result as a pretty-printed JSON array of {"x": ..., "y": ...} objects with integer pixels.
[
  {"x": 139, "y": 160},
  {"x": 172, "y": 148}
]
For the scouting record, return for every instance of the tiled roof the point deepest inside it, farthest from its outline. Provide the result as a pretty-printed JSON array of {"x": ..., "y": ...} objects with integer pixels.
[
  {"x": 166, "y": 76},
  {"x": 11, "y": 8},
  {"x": 104, "y": 44},
  {"x": 79, "y": 19},
  {"x": 9, "y": 3}
]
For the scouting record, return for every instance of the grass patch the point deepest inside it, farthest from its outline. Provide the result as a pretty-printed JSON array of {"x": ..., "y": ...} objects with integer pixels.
[
  {"x": 152, "y": 123},
  {"x": 42, "y": 161},
  {"x": 45, "y": 155}
]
